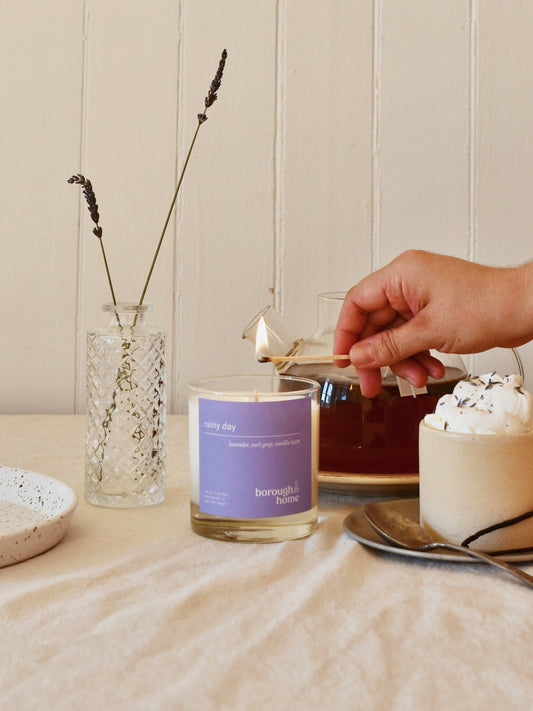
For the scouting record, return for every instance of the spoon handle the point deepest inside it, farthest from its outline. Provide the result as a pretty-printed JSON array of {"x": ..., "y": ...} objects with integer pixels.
[{"x": 512, "y": 569}]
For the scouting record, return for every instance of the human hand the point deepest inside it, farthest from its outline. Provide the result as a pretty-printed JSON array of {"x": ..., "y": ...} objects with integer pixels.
[{"x": 422, "y": 301}]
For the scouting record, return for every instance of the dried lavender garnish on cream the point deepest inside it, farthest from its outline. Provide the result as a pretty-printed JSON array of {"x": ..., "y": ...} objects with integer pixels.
[{"x": 486, "y": 404}]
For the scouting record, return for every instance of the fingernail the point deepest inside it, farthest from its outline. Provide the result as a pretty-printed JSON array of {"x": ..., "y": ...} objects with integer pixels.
[{"x": 362, "y": 354}]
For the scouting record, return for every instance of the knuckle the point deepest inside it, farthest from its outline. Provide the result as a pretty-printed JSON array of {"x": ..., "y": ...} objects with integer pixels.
[{"x": 389, "y": 351}]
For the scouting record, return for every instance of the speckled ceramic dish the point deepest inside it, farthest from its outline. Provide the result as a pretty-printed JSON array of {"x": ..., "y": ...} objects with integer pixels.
[{"x": 35, "y": 511}]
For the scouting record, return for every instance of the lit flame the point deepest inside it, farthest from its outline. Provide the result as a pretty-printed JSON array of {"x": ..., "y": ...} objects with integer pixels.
[{"x": 261, "y": 339}]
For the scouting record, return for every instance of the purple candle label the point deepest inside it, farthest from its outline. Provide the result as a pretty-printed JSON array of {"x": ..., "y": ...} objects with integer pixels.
[{"x": 255, "y": 457}]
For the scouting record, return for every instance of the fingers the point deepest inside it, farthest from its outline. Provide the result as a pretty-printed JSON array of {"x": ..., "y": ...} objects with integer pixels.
[
  {"x": 369, "y": 381},
  {"x": 432, "y": 365},
  {"x": 415, "y": 370},
  {"x": 392, "y": 345},
  {"x": 385, "y": 321},
  {"x": 355, "y": 323},
  {"x": 342, "y": 342},
  {"x": 350, "y": 325}
]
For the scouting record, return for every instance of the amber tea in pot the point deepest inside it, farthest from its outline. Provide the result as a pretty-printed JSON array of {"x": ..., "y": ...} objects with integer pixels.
[{"x": 379, "y": 435}]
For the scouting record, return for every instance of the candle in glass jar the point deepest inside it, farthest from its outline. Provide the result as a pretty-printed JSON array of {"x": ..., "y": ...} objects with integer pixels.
[{"x": 253, "y": 444}]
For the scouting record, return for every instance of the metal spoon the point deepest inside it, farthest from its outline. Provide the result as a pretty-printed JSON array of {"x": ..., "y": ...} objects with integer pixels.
[{"x": 401, "y": 530}]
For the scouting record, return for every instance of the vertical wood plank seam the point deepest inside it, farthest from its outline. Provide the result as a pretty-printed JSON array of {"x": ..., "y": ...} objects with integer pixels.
[
  {"x": 279, "y": 156},
  {"x": 175, "y": 370},
  {"x": 472, "y": 149},
  {"x": 473, "y": 137},
  {"x": 376, "y": 165},
  {"x": 79, "y": 374}
]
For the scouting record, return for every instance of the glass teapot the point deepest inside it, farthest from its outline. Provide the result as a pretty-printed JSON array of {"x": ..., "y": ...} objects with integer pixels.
[{"x": 358, "y": 435}]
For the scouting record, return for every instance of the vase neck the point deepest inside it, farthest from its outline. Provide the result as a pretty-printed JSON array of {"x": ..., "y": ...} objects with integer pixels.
[{"x": 127, "y": 314}]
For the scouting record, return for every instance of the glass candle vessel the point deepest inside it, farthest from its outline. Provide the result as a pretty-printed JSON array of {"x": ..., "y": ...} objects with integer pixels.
[
  {"x": 126, "y": 410},
  {"x": 253, "y": 457}
]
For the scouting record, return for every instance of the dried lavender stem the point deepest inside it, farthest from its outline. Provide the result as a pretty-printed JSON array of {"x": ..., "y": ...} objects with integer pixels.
[
  {"x": 108, "y": 273},
  {"x": 209, "y": 101},
  {"x": 169, "y": 215},
  {"x": 90, "y": 197}
]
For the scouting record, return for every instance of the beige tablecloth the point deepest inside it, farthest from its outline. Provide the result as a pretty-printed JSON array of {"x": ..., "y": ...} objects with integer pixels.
[{"x": 134, "y": 611}]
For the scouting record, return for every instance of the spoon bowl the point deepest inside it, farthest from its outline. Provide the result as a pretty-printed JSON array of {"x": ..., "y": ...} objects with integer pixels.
[{"x": 398, "y": 529}]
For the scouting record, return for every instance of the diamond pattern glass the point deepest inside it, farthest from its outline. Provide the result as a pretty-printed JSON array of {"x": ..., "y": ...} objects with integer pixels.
[{"x": 126, "y": 411}]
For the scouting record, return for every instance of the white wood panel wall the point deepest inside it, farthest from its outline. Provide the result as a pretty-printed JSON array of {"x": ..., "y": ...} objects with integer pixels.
[{"x": 345, "y": 132}]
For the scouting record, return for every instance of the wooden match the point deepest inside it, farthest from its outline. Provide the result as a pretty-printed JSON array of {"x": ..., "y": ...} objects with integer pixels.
[{"x": 301, "y": 358}]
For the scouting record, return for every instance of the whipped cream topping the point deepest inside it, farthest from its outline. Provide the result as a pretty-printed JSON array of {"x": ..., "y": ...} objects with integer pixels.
[{"x": 486, "y": 404}]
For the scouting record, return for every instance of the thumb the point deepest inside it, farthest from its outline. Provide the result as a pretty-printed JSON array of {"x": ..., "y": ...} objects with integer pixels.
[{"x": 390, "y": 346}]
